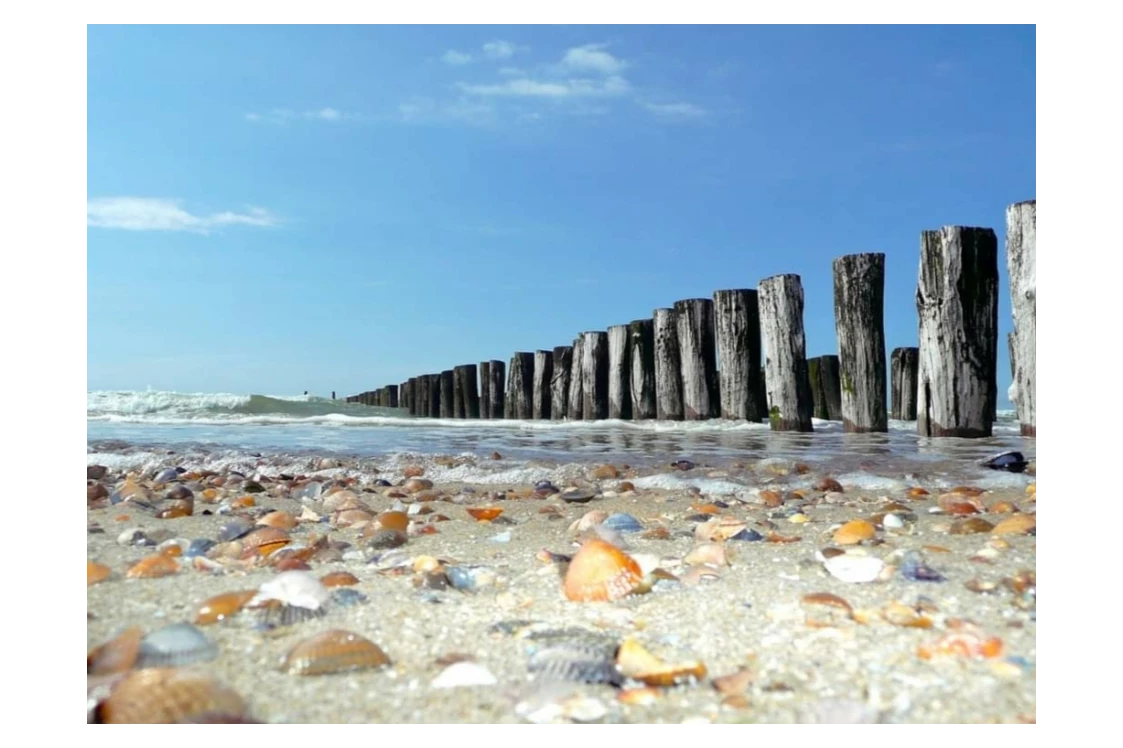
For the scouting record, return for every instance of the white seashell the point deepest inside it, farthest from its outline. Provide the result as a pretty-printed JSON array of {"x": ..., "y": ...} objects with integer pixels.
[
  {"x": 854, "y": 568},
  {"x": 299, "y": 588},
  {"x": 464, "y": 674},
  {"x": 892, "y": 522}
]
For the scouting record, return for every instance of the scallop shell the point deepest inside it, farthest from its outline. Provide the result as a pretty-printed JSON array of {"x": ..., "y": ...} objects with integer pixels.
[
  {"x": 220, "y": 607},
  {"x": 153, "y": 566},
  {"x": 117, "y": 655},
  {"x": 96, "y": 572},
  {"x": 280, "y": 519},
  {"x": 334, "y": 651},
  {"x": 263, "y": 541},
  {"x": 601, "y": 571},
  {"x": 174, "y": 646},
  {"x": 299, "y": 588},
  {"x": 165, "y": 696}
]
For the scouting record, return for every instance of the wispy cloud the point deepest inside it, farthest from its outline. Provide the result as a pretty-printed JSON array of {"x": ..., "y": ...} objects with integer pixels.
[
  {"x": 611, "y": 86},
  {"x": 280, "y": 116},
  {"x": 592, "y": 57},
  {"x": 499, "y": 49},
  {"x": 455, "y": 57},
  {"x": 157, "y": 214},
  {"x": 676, "y": 110}
]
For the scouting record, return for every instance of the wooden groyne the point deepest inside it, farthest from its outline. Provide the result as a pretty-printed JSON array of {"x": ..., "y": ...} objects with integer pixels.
[{"x": 741, "y": 355}]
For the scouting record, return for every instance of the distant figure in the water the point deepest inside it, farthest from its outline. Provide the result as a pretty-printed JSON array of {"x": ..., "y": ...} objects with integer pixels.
[{"x": 305, "y": 392}]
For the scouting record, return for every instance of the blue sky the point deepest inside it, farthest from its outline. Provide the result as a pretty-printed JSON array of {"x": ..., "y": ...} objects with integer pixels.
[{"x": 280, "y": 209}]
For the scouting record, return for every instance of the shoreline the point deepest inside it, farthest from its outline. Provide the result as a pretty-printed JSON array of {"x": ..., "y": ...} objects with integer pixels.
[{"x": 803, "y": 661}]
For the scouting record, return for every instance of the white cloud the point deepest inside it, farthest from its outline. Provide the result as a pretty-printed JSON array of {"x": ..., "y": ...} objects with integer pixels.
[
  {"x": 499, "y": 49},
  {"x": 511, "y": 72},
  {"x": 526, "y": 87},
  {"x": 157, "y": 214},
  {"x": 592, "y": 57},
  {"x": 677, "y": 110},
  {"x": 281, "y": 115},
  {"x": 453, "y": 57}
]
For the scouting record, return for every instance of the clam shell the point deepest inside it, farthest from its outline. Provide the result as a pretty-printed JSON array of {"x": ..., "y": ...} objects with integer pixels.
[
  {"x": 280, "y": 519},
  {"x": 153, "y": 566},
  {"x": 855, "y": 569},
  {"x": 295, "y": 588},
  {"x": 117, "y": 655},
  {"x": 222, "y": 606},
  {"x": 234, "y": 529},
  {"x": 165, "y": 696},
  {"x": 334, "y": 651},
  {"x": 339, "y": 579},
  {"x": 264, "y": 540},
  {"x": 622, "y": 523},
  {"x": 174, "y": 646},
  {"x": 601, "y": 571}
]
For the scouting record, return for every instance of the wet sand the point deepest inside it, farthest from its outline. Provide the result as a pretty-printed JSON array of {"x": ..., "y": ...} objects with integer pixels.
[{"x": 805, "y": 661}]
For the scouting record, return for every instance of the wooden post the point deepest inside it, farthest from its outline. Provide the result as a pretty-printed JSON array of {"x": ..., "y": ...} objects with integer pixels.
[
  {"x": 641, "y": 343},
  {"x": 737, "y": 319},
  {"x": 619, "y": 373},
  {"x": 594, "y": 375},
  {"x": 902, "y": 373},
  {"x": 668, "y": 370},
  {"x": 818, "y": 397},
  {"x": 575, "y": 407},
  {"x": 698, "y": 358},
  {"x": 520, "y": 386},
  {"x": 496, "y": 397},
  {"x": 1021, "y": 263},
  {"x": 420, "y": 392},
  {"x": 471, "y": 391},
  {"x": 392, "y": 389},
  {"x": 957, "y": 303},
  {"x": 448, "y": 398},
  {"x": 559, "y": 382},
  {"x": 543, "y": 377},
  {"x": 785, "y": 365},
  {"x": 830, "y": 378},
  {"x": 859, "y": 318},
  {"x": 435, "y": 395},
  {"x": 411, "y": 396},
  {"x": 485, "y": 400},
  {"x": 458, "y": 406}
]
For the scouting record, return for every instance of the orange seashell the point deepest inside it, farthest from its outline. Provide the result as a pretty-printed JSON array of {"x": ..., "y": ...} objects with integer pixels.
[
  {"x": 392, "y": 521},
  {"x": 967, "y": 642},
  {"x": 827, "y": 598},
  {"x": 775, "y": 537},
  {"x": 1016, "y": 524},
  {"x": 220, "y": 607},
  {"x": 829, "y": 484},
  {"x": 117, "y": 655},
  {"x": 263, "y": 541},
  {"x": 427, "y": 530},
  {"x": 854, "y": 532},
  {"x": 339, "y": 579},
  {"x": 705, "y": 508},
  {"x": 734, "y": 683},
  {"x": 334, "y": 651},
  {"x": 600, "y": 571},
  {"x": 625, "y": 486},
  {"x": 413, "y": 471},
  {"x": 413, "y": 485},
  {"x": 485, "y": 513},
  {"x": 633, "y": 661},
  {"x": 707, "y": 554},
  {"x": 902, "y": 615},
  {"x": 968, "y": 490},
  {"x": 173, "y": 550},
  {"x": 156, "y": 565},
  {"x": 954, "y": 503},
  {"x": 243, "y": 502},
  {"x": 970, "y": 526},
  {"x": 209, "y": 495},
  {"x": 291, "y": 563},
  {"x": 1002, "y": 507},
  {"x": 771, "y": 498},
  {"x": 893, "y": 506},
  {"x": 176, "y": 510},
  {"x": 280, "y": 519},
  {"x": 656, "y": 533},
  {"x": 917, "y": 492},
  {"x": 166, "y": 696},
  {"x": 96, "y": 572}
]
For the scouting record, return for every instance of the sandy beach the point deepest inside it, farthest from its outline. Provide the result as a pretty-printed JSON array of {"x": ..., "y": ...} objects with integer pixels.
[{"x": 955, "y": 643}]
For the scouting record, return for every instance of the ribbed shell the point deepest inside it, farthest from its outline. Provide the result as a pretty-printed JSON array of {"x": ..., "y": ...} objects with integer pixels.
[
  {"x": 334, "y": 651},
  {"x": 600, "y": 571},
  {"x": 174, "y": 646},
  {"x": 165, "y": 696}
]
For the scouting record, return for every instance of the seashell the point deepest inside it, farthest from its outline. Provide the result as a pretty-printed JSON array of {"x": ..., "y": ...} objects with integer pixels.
[
  {"x": 165, "y": 696},
  {"x": 198, "y": 547},
  {"x": 414, "y": 485},
  {"x": 913, "y": 568},
  {"x": 471, "y": 578},
  {"x": 279, "y": 519},
  {"x": 462, "y": 674},
  {"x": 116, "y": 655},
  {"x": 577, "y": 496},
  {"x": 637, "y": 663},
  {"x": 263, "y": 541},
  {"x": 218, "y": 718},
  {"x": 707, "y": 554},
  {"x": 855, "y": 569},
  {"x": 968, "y": 490},
  {"x": 351, "y": 518},
  {"x": 581, "y": 660},
  {"x": 413, "y": 471},
  {"x": 853, "y": 532},
  {"x": 1014, "y": 462},
  {"x": 770, "y": 498},
  {"x": 334, "y": 651},
  {"x": 153, "y": 566},
  {"x": 600, "y": 571},
  {"x": 605, "y": 472},
  {"x": 345, "y": 597},
  {"x": 748, "y": 535},
  {"x": 485, "y": 514},
  {"x": 297, "y": 588},
  {"x": 339, "y": 579},
  {"x": 175, "y": 645},
  {"x": 234, "y": 529},
  {"x": 968, "y": 642},
  {"x": 958, "y": 504},
  {"x": 95, "y": 492},
  {"x": 391, "y": 521},
  {"x": 222, "y": 606},
  {"x": 902, "y": 615},
  {"x": 718, "y": 529},
  {"x": 96, "y": 472},
  {"x": 696, "y": 575},
  {"x": 622, "y": 523},
  {"x": 242, "y": 502},
  {"x": 310, "y": 491},
  {"x": 775, "y": 537},
  {"x": 970, "y": 526},
  {"x": 656, "y": 533},
  {"x": 625, "y": 486},
  {"x": 588, "y": 521},
  {"x": 289, "y": 563},
  {"x": 828, "y": 598},
  {"x": 387, "y": 539},
  {"x": 682, "y": 465},
  {"x": 916, "y": 492},
  {"x": 734, "y": 683},
  {"x": 167, "y": 475},
  {"x": 828, "y": 484},
  {"x": 130, "y": 490},
  {"x": 96, "y": 572},
  {"x": 1016, "y": 524}
]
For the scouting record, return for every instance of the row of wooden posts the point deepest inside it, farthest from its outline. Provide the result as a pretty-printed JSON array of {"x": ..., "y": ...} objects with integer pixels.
[{"x": 701, "y": 358}]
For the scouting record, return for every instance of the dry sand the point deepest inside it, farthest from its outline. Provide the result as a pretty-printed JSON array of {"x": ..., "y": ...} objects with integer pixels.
[{"x": 751, "y": 617}]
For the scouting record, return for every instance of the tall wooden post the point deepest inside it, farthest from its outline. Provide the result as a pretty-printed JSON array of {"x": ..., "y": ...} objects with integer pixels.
[
  {"x": 520, "y": 386},
  {"x": 698, "y": 358},
  {"x": 559, "y": 382},
  {"x": 859, "y": 317},
  {"x": 902, "y": 375},
  {"x": 1021, "y": 263},
  {"x": 467, "y": 398},
  {"x": 448, "y": 401},
  {"x": 785, "y": 366},
  {"x": 594, "y": 375},
  {"x": 392, "y": 390},
  {"x": 435, "y": 393},
  {"x": 496, "y": 395},
  {"x": 619, "y": 373},
  {"x": 668, "y": 367},
  {"x": 485, "y": 400},
  {"x": 737, "y": 319},
  {"x": 641, "y": 343},
  {"x": 575, "y": 411},
  {"x": 543, "y": 375}
]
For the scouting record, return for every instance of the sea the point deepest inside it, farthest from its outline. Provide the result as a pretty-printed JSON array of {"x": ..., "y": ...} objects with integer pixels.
[{"x": 304, "y": 434}]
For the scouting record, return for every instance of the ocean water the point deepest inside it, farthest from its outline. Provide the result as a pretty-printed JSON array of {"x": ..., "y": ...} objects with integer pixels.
[{"x": 273, "y": 434}]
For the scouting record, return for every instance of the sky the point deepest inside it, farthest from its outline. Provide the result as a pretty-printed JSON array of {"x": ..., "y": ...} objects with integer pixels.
[{"x": 286, "y": 208}]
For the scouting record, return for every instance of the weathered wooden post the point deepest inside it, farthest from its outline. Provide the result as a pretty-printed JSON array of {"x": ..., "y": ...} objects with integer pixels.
[
  {"x": 435, "y": 392},
  {"x": 594, "y": 375},
  {"x": 785, "y": 365},
  {"x": 698, "y": 358},
  {"x": 543, "y": 377},
  {"x": 485, "y": 400},
  {"x": 957, "y": 304},
  {"x": 1021, "y": 263},
  {"x": 411, "y": 400},
  {"x": 641, "y": 344},
  {"x": 902, "y": 376},
  {"x": 420, "y": 390},
  {"x": 448, "y": 387},
  {"x": 559, "y": 382},
  {"x": 520, "y": 386},
  {"x": 392, "y": 389},
  {"x": 859, "y": 319},
  {"x": 619, "y": 373},
  {"x": 496, "y": 397},
  {"x": 737, "y": 319},
  {"x": 575, "y": 410},
  {"x": 471, "y": 391},
  {"x": 668, "y": 368},
  {"x": 458, "y": 408}
]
